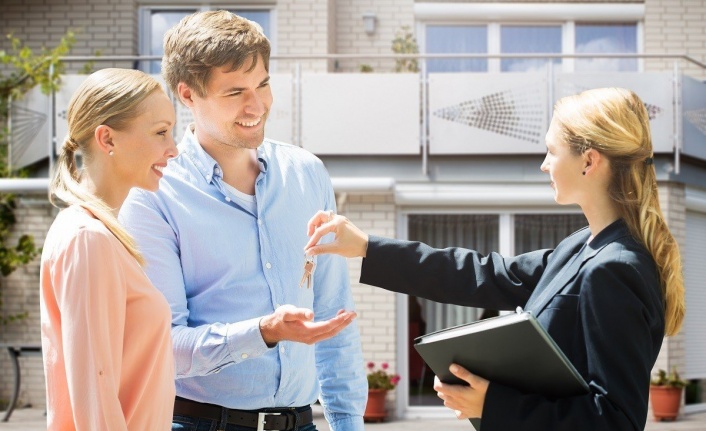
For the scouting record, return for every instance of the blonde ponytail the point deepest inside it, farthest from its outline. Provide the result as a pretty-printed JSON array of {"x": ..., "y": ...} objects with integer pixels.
[
  {"x": 614, "y": 122},
  {"x": 111, "y": 97}
]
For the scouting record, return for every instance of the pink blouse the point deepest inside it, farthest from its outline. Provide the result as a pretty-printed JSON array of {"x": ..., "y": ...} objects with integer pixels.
[{"x": 105, "y": 332}]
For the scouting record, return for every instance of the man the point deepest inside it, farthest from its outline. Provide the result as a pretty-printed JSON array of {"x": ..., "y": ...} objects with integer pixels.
[{"x": 223, "y": 241}]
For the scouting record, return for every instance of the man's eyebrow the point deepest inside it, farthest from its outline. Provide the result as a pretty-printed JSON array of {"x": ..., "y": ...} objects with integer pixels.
[{"x": 235, "y": 89}]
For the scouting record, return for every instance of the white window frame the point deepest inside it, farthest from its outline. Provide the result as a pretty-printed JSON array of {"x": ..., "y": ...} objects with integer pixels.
[
  {"x": 145, "y": 11},
  {"x": 498, "y": 14}
]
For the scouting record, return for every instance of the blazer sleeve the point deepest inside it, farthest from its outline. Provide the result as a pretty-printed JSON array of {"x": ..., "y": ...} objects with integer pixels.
[
  {"x": 92, "y": 297},
  {"x": 622, "y": 327},
  {"x": 452, "y": 275}
]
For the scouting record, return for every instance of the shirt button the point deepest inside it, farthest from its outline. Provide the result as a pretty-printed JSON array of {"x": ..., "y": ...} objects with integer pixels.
[
  {"x": 244, "y": 356},
  {"x": 227, "y": 199},
  {"x": 277, "y": 305},
  {"x": 259, "y": 221},
  {"x": 281, "y": 349},
  {"x": 268, "y": 265}
]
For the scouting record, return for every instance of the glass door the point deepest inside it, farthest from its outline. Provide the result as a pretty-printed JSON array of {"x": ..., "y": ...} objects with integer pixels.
[{"x": 475, "y": 231}]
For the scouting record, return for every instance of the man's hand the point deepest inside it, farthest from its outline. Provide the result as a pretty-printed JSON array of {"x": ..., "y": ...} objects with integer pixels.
[
  {"x": 466, "y": 401},
  {"x": 349, "y": 241},
  {"x": 289, "y": 323}
]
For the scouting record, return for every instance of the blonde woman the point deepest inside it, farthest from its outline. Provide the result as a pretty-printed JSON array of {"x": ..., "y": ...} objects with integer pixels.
[
  {"x": 105, "y": 329},
  {"x": 607, "y": 294}
]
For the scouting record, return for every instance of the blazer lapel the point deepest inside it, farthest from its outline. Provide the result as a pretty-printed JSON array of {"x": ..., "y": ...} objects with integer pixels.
[{"x": 552, "y": 283}]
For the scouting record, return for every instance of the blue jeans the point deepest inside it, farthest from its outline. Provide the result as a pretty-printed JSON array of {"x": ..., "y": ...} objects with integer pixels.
[{"x": 190, "y": 423}]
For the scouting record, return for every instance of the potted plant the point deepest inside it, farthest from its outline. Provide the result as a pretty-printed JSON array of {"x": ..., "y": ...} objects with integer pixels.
[
  {"x": 379, "y": 382},
  {"x": 665, "y": 393}
]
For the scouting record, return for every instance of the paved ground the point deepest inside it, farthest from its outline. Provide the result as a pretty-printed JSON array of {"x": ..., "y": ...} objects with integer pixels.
[{"x": 34, "y": 420}]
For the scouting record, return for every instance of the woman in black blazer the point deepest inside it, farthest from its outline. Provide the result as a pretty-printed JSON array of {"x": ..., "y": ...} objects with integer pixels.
[{"x": 607, "y": 294}]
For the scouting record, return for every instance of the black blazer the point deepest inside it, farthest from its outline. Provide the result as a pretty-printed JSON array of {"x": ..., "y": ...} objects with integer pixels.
[{"x": 603, "y": 308}]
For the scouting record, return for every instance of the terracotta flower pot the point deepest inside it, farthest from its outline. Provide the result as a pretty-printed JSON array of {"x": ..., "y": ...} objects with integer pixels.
[
  {"x": 665, "y": 402},
  {"x": 375, "y": 409}
]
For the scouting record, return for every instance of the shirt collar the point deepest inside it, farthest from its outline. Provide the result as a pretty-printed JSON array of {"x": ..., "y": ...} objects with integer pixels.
[
  {"x": 609, "y": 234},
  {"x": 204, "y": 163}
]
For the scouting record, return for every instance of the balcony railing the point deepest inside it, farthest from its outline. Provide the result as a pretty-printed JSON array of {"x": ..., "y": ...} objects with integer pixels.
[{"x": 414, "y": 114}]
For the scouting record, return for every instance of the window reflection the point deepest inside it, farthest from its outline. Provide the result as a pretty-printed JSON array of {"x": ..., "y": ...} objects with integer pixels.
[
  {"x": 457, "y": 40},
  {"x": 606, "y": 38},
  {"x": 161, "y": 21},
  {"x": 515, "y": 39}
]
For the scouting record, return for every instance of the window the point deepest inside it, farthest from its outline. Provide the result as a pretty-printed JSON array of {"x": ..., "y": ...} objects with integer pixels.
[
  {"x": 457, "y": 39},
  {"x": 553, "y": 38},
  {"x": 475, "y": 231},
  {"x": 515, "y": 39},
  {"x": 156, "y": 21},
  {"x": 606, "y": 38},
  {"x": 538, "y": 231}
]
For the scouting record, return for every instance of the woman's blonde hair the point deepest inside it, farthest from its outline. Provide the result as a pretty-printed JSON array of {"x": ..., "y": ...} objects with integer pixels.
[
  {"x": 614, "y": 122},
  {"x": 109, "y": 97}
]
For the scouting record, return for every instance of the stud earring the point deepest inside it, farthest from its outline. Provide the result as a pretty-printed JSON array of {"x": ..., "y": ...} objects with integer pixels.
[
  {"x": 110, "y": 153},
  {"x": 583, "y": 173}
]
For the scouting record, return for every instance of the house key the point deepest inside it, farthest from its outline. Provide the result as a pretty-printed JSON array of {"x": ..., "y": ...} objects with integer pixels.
[{"x": 308, "y": 269}]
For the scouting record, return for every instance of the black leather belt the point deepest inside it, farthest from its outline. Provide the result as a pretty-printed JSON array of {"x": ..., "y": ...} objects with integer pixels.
[{"x": 265, "y": 419}]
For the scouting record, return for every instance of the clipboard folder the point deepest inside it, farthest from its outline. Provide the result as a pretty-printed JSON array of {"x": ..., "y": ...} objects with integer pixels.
[{"x": 513, "y": 350}]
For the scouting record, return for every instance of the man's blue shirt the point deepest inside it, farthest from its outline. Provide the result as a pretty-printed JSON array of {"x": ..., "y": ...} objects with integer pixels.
[{"x": 222, "y": 268}]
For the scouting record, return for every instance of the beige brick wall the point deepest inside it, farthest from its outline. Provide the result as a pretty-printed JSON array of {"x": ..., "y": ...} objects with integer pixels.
[
  {"x": 107, "y": 26},
  {"x": 377, "y": 316},
  {"x": 352, "y": 38},
  {"x": 304, "y": 27},
  {"x": 21, "y": 293},
  {"x": 674, "y": 209},
  {"x": 676, "y": 27},
  {"x": 673, "y": 203}
]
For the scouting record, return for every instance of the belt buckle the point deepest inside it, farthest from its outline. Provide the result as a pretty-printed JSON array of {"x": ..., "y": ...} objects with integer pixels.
[{"x": 261, "y": 419}]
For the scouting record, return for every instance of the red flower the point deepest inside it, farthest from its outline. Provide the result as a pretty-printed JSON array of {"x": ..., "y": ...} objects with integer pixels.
[{"x": 380, "y": 378}]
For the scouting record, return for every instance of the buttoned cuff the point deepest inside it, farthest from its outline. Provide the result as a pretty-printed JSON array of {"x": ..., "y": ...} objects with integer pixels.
[{"x": 245, "y": 340}]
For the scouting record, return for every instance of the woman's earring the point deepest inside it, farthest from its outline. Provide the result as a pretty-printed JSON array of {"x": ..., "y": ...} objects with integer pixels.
[
  {"x": 110, "y": 153},
  {"x": 582, "y": 173}
]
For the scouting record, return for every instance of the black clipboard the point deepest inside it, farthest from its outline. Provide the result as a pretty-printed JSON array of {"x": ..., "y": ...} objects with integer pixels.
[{"x": 513, "y": 349}]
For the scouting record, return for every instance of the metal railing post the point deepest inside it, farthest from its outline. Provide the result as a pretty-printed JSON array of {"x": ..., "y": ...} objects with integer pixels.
[
  {"x": 424, "y": 126},
  {"x": 676, "y": 123},
  {"x": 297, "y": 114},
  {"x": 50, "y": 128},
  {"x": 10, "y": 141}
]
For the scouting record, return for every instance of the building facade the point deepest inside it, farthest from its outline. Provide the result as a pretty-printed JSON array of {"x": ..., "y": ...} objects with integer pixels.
[{"x": 431, "y": 154}]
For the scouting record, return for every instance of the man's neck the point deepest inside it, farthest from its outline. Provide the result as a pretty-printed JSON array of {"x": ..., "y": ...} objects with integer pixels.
[{"x": 239, "y": 165}]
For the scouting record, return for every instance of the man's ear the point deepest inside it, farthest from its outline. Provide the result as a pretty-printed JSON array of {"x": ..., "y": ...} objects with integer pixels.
[
  {"x": 185, "y": 94},
  {"x": 104, "y": 138}
]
